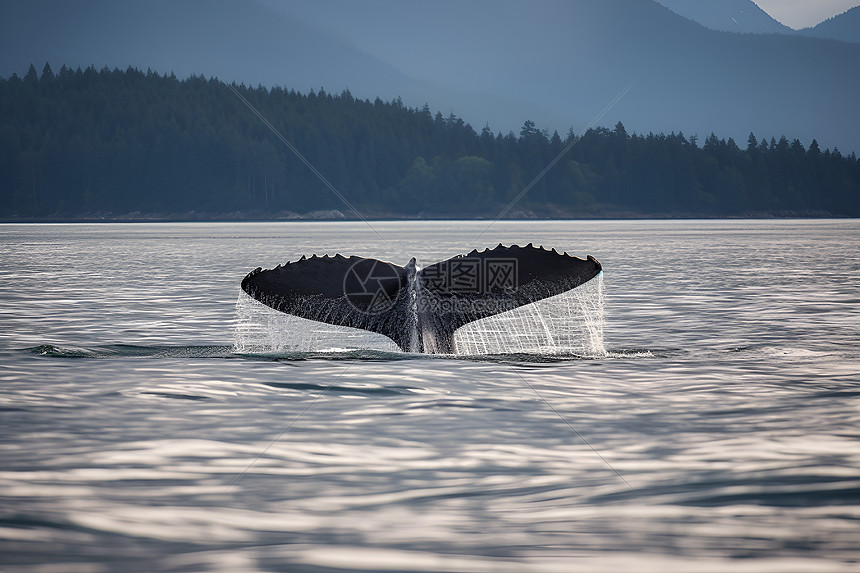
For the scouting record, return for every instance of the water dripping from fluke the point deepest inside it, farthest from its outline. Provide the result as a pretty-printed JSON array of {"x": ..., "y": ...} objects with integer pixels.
[{"x": 501, "y": 301}]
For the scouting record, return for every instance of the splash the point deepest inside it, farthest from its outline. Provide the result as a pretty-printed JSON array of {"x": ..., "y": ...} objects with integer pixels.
[
  {"x": 262, "y": 330},
  {"x": 569, "y": 323}
]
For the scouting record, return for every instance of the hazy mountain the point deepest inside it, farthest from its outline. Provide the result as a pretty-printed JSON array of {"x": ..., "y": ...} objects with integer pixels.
[
  {"x": 245, "y": 42},
  {"x": 745, "y": 16},
  {"x": 844, "y": 27},
  {"x": 500, "y": 62},
  {"x": 728, "y": 15},
  {"x": 241, "y": 41},
  {"x": 573, "y": 58},
  {"x": 235, "y": 40}
]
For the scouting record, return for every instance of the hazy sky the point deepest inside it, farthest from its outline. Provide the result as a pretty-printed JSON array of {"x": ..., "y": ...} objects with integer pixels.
[{"x": 805, "y": 13}]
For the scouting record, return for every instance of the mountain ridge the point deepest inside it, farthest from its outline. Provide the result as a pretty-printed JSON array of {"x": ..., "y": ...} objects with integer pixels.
[
  {"x": 742, "y": 16},
  {"x": 844, "y": 27},
  {"x": 491, "y": 62}
]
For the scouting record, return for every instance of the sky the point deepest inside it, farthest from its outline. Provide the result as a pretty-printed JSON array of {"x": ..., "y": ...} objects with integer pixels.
[{"x": 805, "y": 13}]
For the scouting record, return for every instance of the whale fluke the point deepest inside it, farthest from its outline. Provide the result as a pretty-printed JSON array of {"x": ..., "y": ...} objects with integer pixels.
[{"x": 419, "y": 310}]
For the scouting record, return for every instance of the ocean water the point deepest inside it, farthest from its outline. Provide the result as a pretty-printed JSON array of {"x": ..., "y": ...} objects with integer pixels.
[{"x": 719, "y": 428}]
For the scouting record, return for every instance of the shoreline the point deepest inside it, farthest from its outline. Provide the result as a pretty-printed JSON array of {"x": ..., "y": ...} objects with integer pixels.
[{"x": 338, "y": 216}]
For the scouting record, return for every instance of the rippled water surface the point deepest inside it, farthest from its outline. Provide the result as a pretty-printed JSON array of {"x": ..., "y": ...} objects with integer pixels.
[{"x": 720, "y": 432}]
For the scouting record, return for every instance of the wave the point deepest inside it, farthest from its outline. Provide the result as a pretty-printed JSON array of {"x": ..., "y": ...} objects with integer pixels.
[
  {"x": 119, "y": 351},
  {"x": 130, "y": 351}
]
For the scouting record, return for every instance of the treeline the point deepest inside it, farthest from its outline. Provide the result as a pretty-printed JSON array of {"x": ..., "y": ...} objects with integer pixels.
[{"x": 88, "y": 143}]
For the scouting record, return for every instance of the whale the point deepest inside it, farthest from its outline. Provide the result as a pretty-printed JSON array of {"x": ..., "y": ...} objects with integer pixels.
[{"x": 419, "y": 309}]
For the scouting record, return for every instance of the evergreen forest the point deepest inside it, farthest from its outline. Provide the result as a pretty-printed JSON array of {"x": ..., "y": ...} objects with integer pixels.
[{"x": 103, "y": 144}]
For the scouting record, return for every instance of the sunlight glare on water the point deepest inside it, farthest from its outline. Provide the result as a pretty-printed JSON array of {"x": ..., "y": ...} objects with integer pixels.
[{"x": 150, "y": 422}]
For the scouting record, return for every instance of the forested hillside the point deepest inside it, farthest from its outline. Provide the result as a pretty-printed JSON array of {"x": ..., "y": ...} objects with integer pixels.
[
  {"x": 110, "y": 143},
  {"x": 844, "y": 27}
]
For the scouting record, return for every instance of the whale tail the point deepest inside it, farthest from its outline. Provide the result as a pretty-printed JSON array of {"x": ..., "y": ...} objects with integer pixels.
[{"x": 420, "y": 310}]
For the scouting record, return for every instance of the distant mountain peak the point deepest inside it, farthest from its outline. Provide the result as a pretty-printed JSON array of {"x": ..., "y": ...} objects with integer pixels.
[
  {"x": 491, "y": 62},
  {"x": 844, "y": 27},
  {"x": 743, "y": 16}
]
